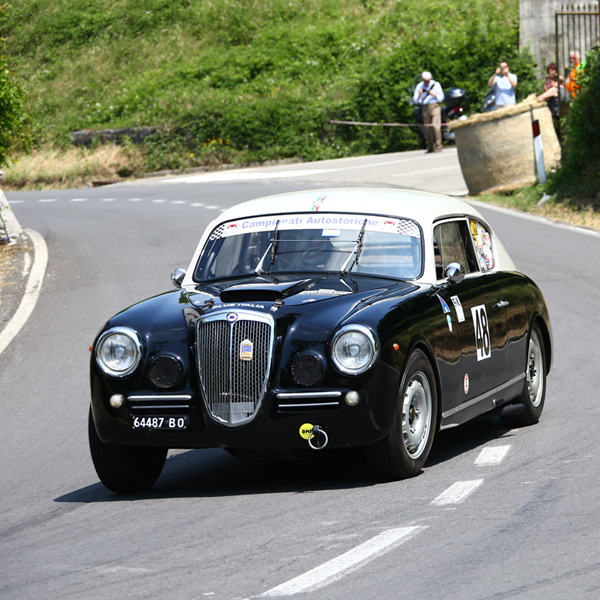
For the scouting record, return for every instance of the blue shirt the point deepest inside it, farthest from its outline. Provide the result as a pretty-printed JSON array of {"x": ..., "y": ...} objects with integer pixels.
[
  {"x": 421, "y": 95},
  {"x": 505, "y": 92}
]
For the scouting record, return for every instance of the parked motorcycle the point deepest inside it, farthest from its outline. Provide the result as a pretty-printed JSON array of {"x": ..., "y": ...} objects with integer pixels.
[
  {"x": 489, "y": 102},
  {"x": 452, "y": 110}
]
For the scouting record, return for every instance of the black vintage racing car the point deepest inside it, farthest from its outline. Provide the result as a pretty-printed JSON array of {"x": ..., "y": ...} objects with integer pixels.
[{"x": 322, "y": 319}]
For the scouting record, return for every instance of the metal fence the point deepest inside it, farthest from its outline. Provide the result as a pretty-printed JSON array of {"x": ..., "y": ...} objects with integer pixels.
[{"x": 577, "y": 31}]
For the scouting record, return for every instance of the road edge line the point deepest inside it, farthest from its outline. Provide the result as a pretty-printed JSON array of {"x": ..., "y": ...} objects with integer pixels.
[{"x": 32, "y": 290}]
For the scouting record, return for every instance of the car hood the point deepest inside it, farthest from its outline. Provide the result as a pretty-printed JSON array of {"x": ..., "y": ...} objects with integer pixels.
[
  {"x": 314, "y": 305},
  {"x": 272, "y": 293}
]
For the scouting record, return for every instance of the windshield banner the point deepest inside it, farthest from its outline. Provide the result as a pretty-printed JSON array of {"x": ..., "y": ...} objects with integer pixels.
[{"x": 328, "y": 222}]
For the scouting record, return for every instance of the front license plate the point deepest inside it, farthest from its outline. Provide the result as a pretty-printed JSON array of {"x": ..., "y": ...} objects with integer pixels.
[{"x": 172, "y": 422}]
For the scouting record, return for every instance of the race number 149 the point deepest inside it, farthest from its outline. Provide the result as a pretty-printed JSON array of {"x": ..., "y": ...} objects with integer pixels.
[{"x": 482, "y": 332}]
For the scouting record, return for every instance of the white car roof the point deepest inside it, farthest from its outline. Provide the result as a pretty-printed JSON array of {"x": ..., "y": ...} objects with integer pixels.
[{"x": 423, "y": 207}]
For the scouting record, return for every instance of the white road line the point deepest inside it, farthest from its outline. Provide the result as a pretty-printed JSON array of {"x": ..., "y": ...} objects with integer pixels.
[
  {"x": 79, "y": 199},
  {"x": 32, "y": 290},
  {"x": 108, "y": 200},
  {"x": 345, "y": 563},
  {"x": 243, "y": 176},
  {"x": 46, "y": 200},
  {"x": 26, "y": 264},
  {"x": 457, "y": 492},
  {"x": 252, "y": 175},
  {"x": 136, "y": 199},
  {"x": 490, "y": 457},
  {"x": 116, "y": 569}
]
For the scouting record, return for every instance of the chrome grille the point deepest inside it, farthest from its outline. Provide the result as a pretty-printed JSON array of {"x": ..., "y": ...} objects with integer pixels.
[
  {"x": 234, "y": 359},
  {"x": 157, "y": 404},
  {"x": 297, "y": 402}
]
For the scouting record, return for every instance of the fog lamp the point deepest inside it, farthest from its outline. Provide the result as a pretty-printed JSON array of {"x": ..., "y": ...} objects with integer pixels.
[
  {"x": 352, "y": 398},
  {"x": 116, "y": 400}
]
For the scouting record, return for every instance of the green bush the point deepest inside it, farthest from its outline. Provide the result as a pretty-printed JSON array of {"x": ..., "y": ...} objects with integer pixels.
[{"x": 578, "y": 176}]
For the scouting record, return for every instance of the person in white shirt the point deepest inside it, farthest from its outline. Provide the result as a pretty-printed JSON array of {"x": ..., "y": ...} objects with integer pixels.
[
  {"x": 429, "y": 95},
  {"x": 505, "y": 83}
]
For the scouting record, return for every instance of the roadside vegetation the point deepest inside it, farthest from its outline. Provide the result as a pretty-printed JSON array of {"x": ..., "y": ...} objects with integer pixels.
[
  {"x": 14, "y": 119},
  {"x": 241, "y": 81},
  {"x": 578, "y": 177},
  {"x": 245, "y": 81}
]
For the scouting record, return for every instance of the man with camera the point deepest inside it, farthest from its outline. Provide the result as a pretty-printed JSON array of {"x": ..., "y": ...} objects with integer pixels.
[
  {"x": 505, "y": 83},
  {"x": 429, "y": 95}
]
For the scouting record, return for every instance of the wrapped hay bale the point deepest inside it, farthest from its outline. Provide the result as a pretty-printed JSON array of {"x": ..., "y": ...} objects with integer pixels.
[{"x": 495, "y": 150}]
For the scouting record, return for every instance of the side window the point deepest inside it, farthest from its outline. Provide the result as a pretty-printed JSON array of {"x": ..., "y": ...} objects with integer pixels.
[
  {"x": 452, "y": 243},
  {"x": 483, "y": 246}
]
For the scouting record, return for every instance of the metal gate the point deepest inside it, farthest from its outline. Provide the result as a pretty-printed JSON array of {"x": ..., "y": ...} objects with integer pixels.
[{"x": 577, "y": 31}]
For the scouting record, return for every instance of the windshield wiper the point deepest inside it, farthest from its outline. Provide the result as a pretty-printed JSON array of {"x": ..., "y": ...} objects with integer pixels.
[
  {"x": 355, "y": 251},
  {"x": 273, "y": 244}
]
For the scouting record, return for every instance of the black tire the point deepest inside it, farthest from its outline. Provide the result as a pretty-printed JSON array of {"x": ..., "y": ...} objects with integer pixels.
[
  {"x": 404, "y": 451},
  {"x": 533, "y": 395},
  {"x": 125, "y": 469}
]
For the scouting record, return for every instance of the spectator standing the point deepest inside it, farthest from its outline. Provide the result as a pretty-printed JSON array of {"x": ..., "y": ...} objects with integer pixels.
[
  {"x": 429, "y": 95},
  {"x": 505, "y": 83},
  {"x": 550, "y": 95},
  {"x": 572, "y": 75}
]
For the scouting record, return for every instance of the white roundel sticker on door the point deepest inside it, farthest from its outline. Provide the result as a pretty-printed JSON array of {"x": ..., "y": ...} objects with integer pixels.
[{"x": 482, "y": 332}]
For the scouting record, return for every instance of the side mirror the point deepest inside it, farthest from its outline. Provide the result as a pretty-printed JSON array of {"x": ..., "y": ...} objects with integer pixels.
[
  {"x": 177, "y": 277},
  {"x": 454, "y": 272}
]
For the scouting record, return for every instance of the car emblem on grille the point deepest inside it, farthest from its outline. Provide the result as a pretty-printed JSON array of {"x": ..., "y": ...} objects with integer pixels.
[
  {"x": 232, "y": 317},
  {"x": 246, "y": 350}
]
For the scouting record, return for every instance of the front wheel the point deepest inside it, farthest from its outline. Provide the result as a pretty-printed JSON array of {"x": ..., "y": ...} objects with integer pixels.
[
  {"x": 534, "y": 388},
  {"x": 125, "y": 469},
  {"x": 404, "y": 451}
]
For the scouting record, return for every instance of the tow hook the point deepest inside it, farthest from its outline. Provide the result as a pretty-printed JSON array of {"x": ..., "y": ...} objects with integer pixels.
[{"x": 318, "y": 438}]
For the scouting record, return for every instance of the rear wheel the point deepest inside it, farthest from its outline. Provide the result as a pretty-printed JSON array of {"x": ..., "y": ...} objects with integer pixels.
[
  {"x": 534, "y": 388},
  {"x": 125, "y": 469},
  {"x": 404, "y": 451}
]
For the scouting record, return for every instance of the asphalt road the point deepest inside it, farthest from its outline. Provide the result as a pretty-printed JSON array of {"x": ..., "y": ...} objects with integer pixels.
[{"x": 495, "y": 514}]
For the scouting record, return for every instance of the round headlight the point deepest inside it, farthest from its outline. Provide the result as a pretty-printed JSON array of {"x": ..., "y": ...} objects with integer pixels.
[
  {"x": 354, "y": 349},
  {"x": 118, "y": 351}
]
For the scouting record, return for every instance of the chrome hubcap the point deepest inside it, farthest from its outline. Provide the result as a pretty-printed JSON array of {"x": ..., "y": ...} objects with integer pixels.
[
  {"x": 535, "y": 378},
  {"x": 416, "y": 415}
]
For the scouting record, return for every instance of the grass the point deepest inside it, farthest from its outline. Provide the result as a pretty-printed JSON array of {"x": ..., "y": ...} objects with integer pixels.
[
  {"x": 266, "y": 75},
  {"x": 72, "y": 167},
  {"x": 528, "y": 200}
]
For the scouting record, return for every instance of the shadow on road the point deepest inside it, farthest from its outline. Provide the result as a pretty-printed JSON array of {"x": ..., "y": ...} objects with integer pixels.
[
  {"x": 451, "y": 443},
  {"x": 214, "y": 473}
]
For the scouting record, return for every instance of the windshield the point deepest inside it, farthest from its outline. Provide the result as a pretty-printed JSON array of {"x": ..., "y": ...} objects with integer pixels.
[{"x": 312, "y": 242}]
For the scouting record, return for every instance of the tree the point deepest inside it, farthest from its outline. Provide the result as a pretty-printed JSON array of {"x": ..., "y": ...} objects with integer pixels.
[{"x": 579, "y": 174}]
